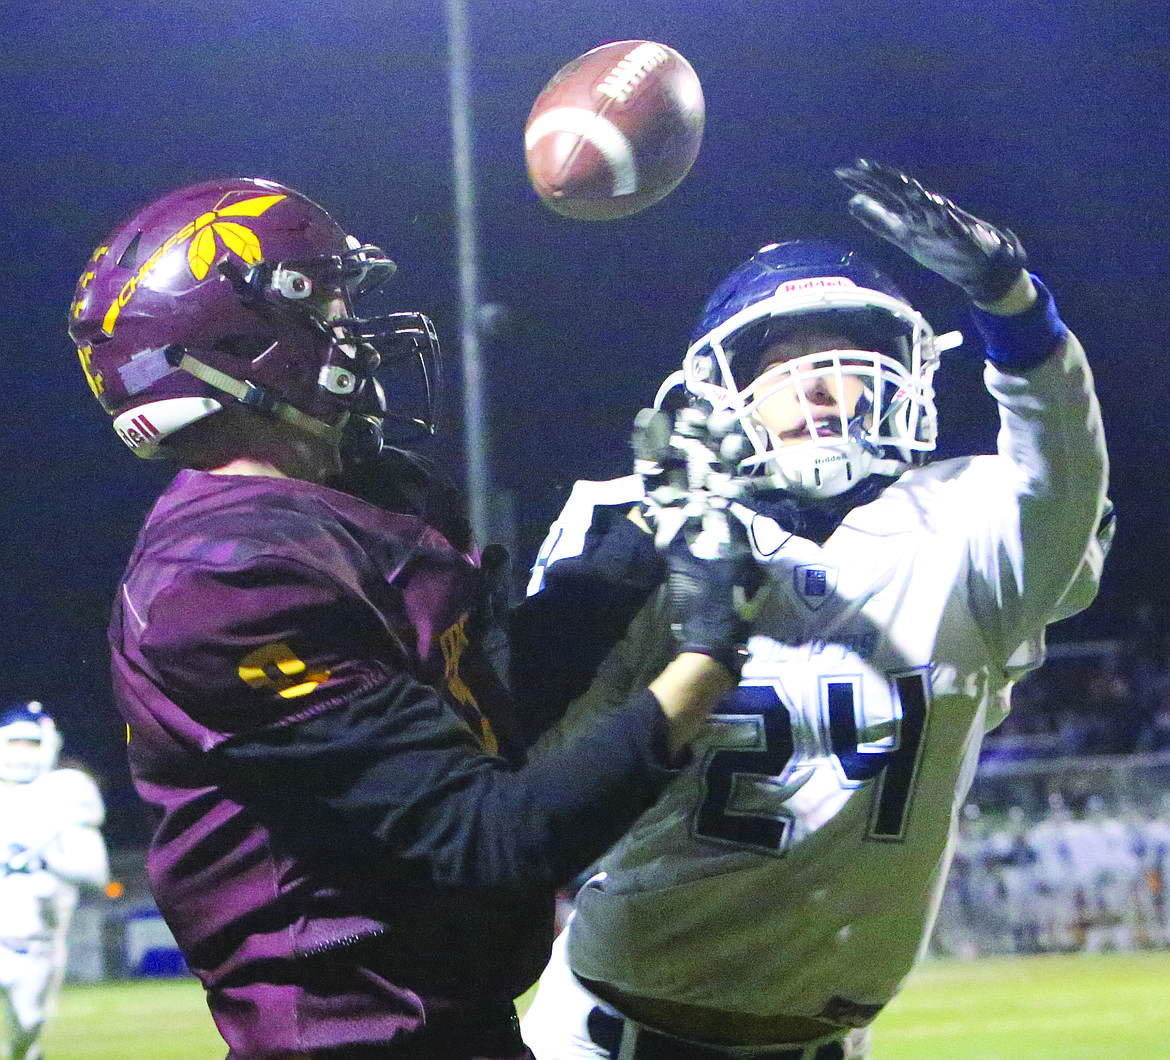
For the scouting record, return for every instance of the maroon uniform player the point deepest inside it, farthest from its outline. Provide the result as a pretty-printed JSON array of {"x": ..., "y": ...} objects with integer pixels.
[{"x": 350, "y": 850}]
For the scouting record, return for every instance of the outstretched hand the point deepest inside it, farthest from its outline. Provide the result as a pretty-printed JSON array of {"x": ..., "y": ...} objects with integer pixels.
[{"x": 983, "y": 260}]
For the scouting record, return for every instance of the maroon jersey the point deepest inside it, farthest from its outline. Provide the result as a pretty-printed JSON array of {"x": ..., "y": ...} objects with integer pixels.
[{"x": 343, "y": 854}]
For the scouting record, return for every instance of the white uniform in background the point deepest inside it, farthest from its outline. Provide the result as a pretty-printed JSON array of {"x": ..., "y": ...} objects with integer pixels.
[
  {"x": 1114, "y": 874},
  {"x": 1157, "y": 865},
  {"x": 1058, "y": 878},
  {"x": 1012, "y": 860},
  {"x": 50, "y": 845},
  {"x": 795, "y": 868}
]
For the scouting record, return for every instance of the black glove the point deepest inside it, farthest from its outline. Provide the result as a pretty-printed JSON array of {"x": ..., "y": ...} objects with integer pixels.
[
  {"x": 689, "y": 466},
  {"x": 983, "y": 260},
  {"x": 703, "y": 595}
]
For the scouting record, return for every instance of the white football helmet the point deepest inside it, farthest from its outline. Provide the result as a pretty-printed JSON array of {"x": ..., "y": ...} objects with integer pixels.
[
  {"x": 29, "y": 743},
  {"x": 893, "y": 352}
]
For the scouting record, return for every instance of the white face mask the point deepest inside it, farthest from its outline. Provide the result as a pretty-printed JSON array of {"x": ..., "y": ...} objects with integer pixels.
[{"x": 820, "y": 422}]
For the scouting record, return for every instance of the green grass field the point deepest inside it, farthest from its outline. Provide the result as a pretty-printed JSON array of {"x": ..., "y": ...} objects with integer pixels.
[{"x": 1107, "y": 1007}]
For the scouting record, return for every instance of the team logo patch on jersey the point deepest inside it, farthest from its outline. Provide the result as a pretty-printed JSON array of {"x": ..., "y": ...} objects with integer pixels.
[{"x": 814, "y": 584}]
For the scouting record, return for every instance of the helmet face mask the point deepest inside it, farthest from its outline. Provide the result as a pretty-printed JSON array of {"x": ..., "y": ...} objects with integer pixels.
[
  {"x": 243, "y": 290},
  {"x": 402, "y": 382},
  {"x": 29, "y": 743},
  {"x": 807, "y": 328}
]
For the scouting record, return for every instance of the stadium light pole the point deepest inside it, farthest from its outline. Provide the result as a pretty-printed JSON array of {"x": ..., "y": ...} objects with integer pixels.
[{"x": 474, "y": 412}]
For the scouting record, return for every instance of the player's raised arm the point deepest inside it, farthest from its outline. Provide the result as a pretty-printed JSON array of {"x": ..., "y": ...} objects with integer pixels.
[
  {"x": 1045, "y": 500},
  {"x": 985, "y": 261}
]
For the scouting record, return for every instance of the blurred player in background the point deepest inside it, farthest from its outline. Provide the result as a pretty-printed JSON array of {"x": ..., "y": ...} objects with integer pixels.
[
  {"x": 775, "y": 899},
  {"x": 1155, "y": 845},
  {"x": 1010, "y": 861},
  {"x": 50, "y": 846},
  {"x": 1058, "y": 876},
  {"x": 350, "y": 853},
  {"x": 1113, "y": 874}
]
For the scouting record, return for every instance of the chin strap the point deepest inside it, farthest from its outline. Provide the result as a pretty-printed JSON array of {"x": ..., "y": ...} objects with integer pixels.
[{"x": 256, "y": 397}]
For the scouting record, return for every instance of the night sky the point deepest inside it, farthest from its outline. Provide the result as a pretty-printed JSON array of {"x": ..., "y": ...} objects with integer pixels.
[{"x": 1049, "y": 118}]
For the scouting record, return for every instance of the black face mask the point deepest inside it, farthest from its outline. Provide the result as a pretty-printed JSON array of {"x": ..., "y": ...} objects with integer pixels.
[
  {"x": 401, "y": 392},
  {"x": 398, "y": 357}
]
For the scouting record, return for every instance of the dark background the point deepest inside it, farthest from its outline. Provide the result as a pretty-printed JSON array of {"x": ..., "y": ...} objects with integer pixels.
[{"x": 1050, "y": 118}]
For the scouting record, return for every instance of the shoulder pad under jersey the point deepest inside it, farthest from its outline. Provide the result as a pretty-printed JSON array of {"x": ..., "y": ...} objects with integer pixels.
[{"x": 566, "y": 536}]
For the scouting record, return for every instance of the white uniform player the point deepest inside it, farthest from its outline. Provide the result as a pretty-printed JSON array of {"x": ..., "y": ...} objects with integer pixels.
[
  {"x": 1011, "y": 861},
  {"x": 1157, "y": 864},
  {"x": 1058, "y": 878},
  {"x": 49, "y": 845},
  {"x": 1113, "y": 874},
  {"x": 781, "y": 891}
]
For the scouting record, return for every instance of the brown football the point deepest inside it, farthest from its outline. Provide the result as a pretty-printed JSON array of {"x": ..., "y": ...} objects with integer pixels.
[{"x": 615, "y": 130}]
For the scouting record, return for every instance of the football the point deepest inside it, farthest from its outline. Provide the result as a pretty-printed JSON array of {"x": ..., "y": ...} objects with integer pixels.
[{"x": 615, "y": 130}]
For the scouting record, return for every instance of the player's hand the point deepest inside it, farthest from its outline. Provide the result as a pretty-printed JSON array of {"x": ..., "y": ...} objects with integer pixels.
[
  {"x": 710, "y": 601},
  {"x": 983, "y": 260},
  {"x": 689, "y": 466}
]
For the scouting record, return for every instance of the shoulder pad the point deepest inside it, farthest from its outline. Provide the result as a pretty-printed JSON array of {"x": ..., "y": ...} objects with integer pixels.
[{"x": 566, "y": 536}]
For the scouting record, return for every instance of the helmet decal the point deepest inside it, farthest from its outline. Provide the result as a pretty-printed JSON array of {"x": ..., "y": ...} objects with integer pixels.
[
  {"x": 92, "y": 377},
  {"x": 202, "y": 232},
  {"x": 86, "y": 277}
]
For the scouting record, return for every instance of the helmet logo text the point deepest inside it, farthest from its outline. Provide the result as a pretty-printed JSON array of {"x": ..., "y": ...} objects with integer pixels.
[
  {"x": 815, "y": 283},
  {"x": 96, "y": 383},
  {"x": 138, "y": 432},
  {"x": 205, "y": 232}
]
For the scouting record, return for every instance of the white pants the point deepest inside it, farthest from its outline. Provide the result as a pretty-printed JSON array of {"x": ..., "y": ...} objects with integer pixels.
[
  {"x": 555, "y": 1027},
  {"x": 28, "y": 983}
]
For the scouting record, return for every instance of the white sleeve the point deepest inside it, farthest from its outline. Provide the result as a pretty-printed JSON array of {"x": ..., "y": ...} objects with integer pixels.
[
  {"x": 78, "y": 855},
  {"x": 566, "y": 536},
  {"x": 1080, "y": 593},
  {"x": 1033, "y": 547}
]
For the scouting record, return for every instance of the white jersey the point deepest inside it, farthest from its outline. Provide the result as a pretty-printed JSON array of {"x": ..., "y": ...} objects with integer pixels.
[
  {"x": 797, "y": 865},
  {"x": 49, "y": 845},
  {"x": 1057, "y": 864}
]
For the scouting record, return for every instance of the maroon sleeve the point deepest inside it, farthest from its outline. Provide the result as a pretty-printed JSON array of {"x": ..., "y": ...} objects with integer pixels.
[
  {"x": 315, "y": 706},
  {"x": 241, "y": 648}
]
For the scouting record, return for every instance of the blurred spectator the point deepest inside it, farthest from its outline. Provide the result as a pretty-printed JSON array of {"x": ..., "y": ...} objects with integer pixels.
[{"x": 1064, "y": 882}]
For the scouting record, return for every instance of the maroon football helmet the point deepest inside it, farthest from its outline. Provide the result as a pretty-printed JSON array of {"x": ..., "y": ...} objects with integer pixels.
[{"x": 244, "y": 290}]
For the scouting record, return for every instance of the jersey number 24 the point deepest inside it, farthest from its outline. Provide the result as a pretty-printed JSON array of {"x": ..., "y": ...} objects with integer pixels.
[{"x": 885, "y": 755}]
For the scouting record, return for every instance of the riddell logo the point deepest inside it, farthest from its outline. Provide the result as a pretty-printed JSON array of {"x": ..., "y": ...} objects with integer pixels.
[
  {"x": 205, "y": 233},
  {"x": 820, "y": 282},
  {"x": 138, "y": 431}
]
